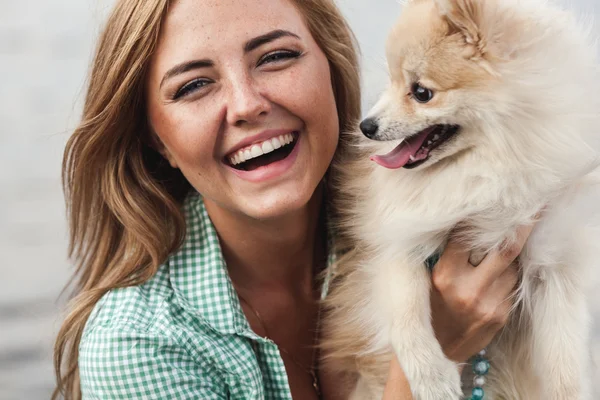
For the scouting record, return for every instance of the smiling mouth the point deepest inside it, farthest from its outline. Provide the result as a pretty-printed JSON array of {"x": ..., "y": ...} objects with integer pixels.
[
  {"x": 262, "y": 154},
  {"x": 416, "y": 149}
]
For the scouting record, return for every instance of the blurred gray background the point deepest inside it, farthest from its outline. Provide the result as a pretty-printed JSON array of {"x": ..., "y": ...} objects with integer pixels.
[{"x": 45, "y": 50}]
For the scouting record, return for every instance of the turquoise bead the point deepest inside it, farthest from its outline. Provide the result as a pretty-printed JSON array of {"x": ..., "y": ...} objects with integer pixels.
[
  {"x": 477, "y": 394},
  {"x": 481, "y": 366},
  {"x": 478, "y": 381}
]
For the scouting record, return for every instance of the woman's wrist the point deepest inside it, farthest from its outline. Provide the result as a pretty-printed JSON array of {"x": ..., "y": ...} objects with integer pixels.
[{"x": 397, "y": 386}]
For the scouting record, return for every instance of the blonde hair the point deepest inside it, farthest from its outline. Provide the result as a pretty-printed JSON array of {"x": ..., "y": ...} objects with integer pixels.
[{"x": 123, "y": 199}]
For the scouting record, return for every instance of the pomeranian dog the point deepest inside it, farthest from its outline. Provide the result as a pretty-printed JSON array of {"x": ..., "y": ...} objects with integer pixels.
[{"x": 492, "y": 115}]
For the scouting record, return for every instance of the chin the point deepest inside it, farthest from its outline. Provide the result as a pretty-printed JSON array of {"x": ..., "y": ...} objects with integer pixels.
[
  {"x": 277, "y": 203},
  {"x": 492, "y": 116}
]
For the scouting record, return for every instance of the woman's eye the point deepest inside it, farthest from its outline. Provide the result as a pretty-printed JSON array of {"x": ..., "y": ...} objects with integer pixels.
[
  {"x": 277, "y": 56},
  {"x": 421, "y": 94},
  {"x": 194, "y": 85}
]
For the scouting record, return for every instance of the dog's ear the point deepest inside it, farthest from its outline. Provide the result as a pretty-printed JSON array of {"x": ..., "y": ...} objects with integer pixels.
[
  {"x": 464, "y": 16},
  {"x": 483, "y": 24}
]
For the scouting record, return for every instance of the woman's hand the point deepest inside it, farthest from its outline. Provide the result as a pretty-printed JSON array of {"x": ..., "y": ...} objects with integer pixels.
[{"x": 469, "y": 305}]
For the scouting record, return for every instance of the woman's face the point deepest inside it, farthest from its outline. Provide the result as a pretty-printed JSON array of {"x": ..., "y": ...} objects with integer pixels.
[{"x": 240, "y": 96}]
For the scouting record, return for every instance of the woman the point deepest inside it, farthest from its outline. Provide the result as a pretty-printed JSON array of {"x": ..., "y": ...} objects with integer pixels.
[{"x": 183, "y": 295}]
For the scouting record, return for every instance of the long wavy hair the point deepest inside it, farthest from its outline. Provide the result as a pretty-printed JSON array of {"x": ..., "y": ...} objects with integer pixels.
[{"x": 123, "y": 199}]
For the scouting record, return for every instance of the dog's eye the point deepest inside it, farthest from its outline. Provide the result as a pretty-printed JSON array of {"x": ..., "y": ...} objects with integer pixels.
[{"x": 421, "y": 94}]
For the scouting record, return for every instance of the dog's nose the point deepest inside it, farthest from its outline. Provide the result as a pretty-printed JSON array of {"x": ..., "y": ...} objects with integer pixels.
[{"x": 369, "y": 127}]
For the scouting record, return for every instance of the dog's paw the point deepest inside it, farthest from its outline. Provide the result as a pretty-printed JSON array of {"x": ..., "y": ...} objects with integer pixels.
[{"x": 438, "y": 383}]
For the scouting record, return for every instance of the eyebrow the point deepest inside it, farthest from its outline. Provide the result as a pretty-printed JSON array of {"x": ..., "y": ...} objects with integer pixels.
[
  {"x": 255, "y": 43},
  {"x": 185, "y": 67},
  {"x": 249, "y": 46}
]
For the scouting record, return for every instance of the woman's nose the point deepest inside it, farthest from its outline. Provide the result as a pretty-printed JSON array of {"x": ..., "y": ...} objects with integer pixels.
[{"x": 246, "y": 104}]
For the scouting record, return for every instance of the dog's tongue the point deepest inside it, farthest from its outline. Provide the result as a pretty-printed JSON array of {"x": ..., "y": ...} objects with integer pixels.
[{"x": 400, "y": 156}]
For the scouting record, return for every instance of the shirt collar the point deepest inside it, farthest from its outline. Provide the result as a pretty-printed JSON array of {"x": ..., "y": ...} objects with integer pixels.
[
  {"x": 199, "y": 277},
  {"x": 199, "y": 274}
]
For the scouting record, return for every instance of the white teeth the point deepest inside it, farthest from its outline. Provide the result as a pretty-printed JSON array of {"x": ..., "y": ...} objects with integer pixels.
[
  {"x": 412, "y": 158},
  {"x": 436, "y": 137},
  {"x": 258, "y": 149},
  {"x": 267, "y": 147}
]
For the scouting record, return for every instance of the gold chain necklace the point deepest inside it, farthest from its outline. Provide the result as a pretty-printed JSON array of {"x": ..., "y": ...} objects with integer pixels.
[{"x": 312, "y": 371}]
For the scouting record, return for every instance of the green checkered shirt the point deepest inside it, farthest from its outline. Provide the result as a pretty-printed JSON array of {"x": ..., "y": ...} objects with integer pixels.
[{"x": 181, "y": 335}]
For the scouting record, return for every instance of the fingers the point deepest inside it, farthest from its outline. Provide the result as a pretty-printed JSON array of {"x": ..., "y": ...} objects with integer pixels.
[
  {"x": 496, "y": 302},
  {"x": 495, "y": 263},
  {"x": 454, "y": 262},
  {"x": 454, "y": 256},
  {"x": 451, "y": 268},
  {"x": 503, "y": 288}
]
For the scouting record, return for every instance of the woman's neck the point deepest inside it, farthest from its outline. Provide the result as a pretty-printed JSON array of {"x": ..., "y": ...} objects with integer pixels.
[{"x": 274, "y": 255}]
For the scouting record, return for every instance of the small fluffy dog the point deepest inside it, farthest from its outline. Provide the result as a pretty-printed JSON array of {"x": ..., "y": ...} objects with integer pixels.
[{"x": 492, "y": 114}]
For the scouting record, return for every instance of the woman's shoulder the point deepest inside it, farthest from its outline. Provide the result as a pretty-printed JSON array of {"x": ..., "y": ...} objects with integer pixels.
[
  {"x": 140, "y": 343},
  {"x": 187, "y": 297},
  {"x": 138, "y": 307},
  {"x": 159, "y": 304},
  {"x": 151, "y": 314},
  {"x": 178, "y": 330}
]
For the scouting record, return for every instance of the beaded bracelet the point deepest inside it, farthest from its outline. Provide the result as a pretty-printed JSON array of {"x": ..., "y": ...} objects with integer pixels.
[{"x": 481, "y": 367}]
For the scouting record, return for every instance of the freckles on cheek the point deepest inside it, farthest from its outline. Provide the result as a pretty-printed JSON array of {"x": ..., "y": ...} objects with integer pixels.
[
  {"x": 322, "y": 102},
  {"x": 312, "y": 93},
  {"x": 193, "y": 141},
  {"x": 318, "y": 83}
]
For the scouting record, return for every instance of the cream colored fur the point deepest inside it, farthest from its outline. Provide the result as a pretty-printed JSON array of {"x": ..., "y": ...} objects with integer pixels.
[{"x": 521, "y": 79}]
